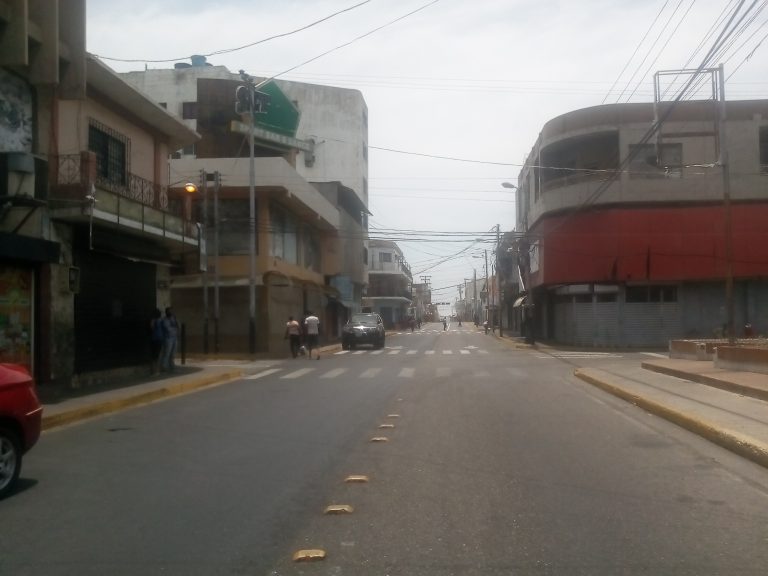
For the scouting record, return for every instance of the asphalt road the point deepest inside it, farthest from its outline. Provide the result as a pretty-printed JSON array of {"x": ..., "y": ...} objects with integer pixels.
[{"x": 498, "y": 461}]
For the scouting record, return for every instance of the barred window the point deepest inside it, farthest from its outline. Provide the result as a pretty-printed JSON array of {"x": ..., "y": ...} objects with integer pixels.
[{"x": 111, "y": 149}]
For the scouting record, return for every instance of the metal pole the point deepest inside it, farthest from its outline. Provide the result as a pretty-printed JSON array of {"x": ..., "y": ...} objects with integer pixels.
[
  {"x": 727, "y": 209},
  {"x": 252, "y": 226},
  {"x": 487, "y": 291},
  {"x": 498, "y": 280},
  {"x": 474, "y": 295},
  {"x": 204, "y": 258},
  {"x": 217, "y": 184}
]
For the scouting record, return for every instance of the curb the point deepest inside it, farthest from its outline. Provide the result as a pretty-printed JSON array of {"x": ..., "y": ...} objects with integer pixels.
[
  {"x": 114, "y": 405},
  {"x": 744, "y": 446}
]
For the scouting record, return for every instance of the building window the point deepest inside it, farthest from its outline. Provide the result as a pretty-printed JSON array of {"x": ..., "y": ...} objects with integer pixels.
[
  {"x": 234, "y": 229},
  {"x": 365, "y": 256},
  {"x": 656, "y": 161},
  {"x": 111, "y": 150},
  {"x": 764, "y": 150},
  {"x": 311, "y": 250},
  {"x": 283, "y": 230},
  {"x": 189, "y": 110},
  {"x": 639, "y": 294},
  {"x": 385, "y": 257},
  {"x": 602, "y": 298},
  {"x": 164, "y": 105}
]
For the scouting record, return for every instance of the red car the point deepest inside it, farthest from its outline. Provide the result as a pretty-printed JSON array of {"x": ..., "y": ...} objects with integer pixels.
[{"x": 20, "y": 420}]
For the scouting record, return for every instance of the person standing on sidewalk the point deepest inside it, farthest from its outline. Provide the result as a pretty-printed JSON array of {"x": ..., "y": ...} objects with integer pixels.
[
  {"x": 312, "y": 329},
  {"x": 293, "y": 334},
  {"x": 170, "y": 336},
  {"x": 156, "y": 339}
]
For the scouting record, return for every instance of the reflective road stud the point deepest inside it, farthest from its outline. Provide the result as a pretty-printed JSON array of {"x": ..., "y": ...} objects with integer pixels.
[
  {"x": 309, "y": 555},
  {"x": 339, "y": 509},
  {"x": 356, "y": 479}
]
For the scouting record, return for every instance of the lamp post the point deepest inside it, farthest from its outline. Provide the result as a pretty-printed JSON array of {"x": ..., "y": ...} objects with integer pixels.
[{"x": 190, "y": 188}]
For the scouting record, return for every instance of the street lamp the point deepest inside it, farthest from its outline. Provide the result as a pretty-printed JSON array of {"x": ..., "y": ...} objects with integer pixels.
[{"x": 191, "y": 188}]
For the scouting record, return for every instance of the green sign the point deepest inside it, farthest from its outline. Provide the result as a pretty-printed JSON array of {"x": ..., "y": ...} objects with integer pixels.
[{"x": 281, "y": 115}]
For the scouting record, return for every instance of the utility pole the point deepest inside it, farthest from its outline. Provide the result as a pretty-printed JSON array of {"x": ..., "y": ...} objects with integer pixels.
[
  {"x": 488, "y": 293},
  {"x": 474, "y": 295},
  {"x": 724, "y": 168},
  {"x": 253, "y": 101},
  {"x": 498, "y": 279},
  {"x": 204, "y": 256},
  {"x": 216, "y": 186}
]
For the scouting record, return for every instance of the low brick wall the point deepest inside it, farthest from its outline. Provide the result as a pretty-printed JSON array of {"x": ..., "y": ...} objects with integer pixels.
[
  {"x": 742, "y": 358},
  {"x": 694, "y": 349}
]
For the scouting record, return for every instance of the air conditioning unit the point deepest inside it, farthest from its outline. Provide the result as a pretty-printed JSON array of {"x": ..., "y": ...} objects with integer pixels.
[{"x": 17, "y": 174}]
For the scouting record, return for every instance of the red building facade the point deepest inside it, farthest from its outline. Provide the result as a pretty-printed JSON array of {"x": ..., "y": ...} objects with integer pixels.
[{"x": 625, "y": 240}]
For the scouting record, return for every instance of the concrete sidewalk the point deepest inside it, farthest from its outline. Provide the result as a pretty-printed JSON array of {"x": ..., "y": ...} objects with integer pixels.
[
  {"x": 199, "y": 372},
  {"x": 729, "y": 408},
  {"x": 718, "y": 405},
  {"x": 133, "y": 392}
]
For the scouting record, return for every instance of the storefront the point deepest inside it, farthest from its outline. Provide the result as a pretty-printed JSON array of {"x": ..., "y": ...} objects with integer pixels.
[{"x": 17, "y": 289}]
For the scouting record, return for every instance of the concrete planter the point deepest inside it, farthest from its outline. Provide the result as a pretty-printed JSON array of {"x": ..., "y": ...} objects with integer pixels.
[{"x": 742, "y": 358}]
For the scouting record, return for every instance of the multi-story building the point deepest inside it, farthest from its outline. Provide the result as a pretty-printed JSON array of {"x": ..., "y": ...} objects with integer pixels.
[
  {"x": 389, "y": 283},
  {"x": 87, "y": 226},
  {"x": 629, "y": 240},
  {"x": 310, "y": 185}
]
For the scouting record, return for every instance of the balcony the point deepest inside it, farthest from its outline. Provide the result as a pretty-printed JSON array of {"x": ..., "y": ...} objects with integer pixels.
[{"x": 79, "y": 195}]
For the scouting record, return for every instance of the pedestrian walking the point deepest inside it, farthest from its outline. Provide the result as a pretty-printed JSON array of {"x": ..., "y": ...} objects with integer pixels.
[
  {"x": 170, "y": 338},
  {"x": 293, "y": 334},
  {"x": 156, "y": 339},
  {"x": 312, "y": 330}
]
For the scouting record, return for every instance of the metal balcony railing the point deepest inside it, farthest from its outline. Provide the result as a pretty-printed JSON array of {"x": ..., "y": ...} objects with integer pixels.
[{"x": 74, "y": 177}]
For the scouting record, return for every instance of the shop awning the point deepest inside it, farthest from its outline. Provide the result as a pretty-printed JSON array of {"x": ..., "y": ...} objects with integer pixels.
[
  {"x": 520, "y": 301},
  {"x": 19, "y": 247}
]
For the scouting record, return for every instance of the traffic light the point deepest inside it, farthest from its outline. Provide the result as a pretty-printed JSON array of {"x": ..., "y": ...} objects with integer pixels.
[{"x": 243, "y": 100}]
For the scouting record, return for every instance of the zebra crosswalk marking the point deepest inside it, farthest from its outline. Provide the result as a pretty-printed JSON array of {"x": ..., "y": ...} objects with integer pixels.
[
  {"x": 296, "y": 373},
  {"x": 262, "y": 374},
  {"x": 446, "y": 352},
  {"x": 392, "y": 352},
  {"x": 464, "y": 351},
  {"x": 406, "y": 373},
  {"x": 370, "y": 373},
  {"x": 333, "y": 373},
  {"x": 358, "y": 352},
  {"x": 429, "y": 352},
  {"x": 376, "y": 352},
  {"x": 411, "y": 352},
  {"x": 339, "y": 353}
]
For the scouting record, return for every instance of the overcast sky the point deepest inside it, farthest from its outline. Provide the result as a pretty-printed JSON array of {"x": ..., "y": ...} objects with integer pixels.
[{"x": 466, "y": 80}]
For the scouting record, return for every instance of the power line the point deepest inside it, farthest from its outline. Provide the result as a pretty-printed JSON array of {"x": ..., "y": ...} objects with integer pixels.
[
  {"x": 229, "y": 50},
  {"x": 650, "y": 66},
  {"x": 648, "y": 53},
  {"x": 635, "y": 52},
  {"x": 345, "y": 44}
]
